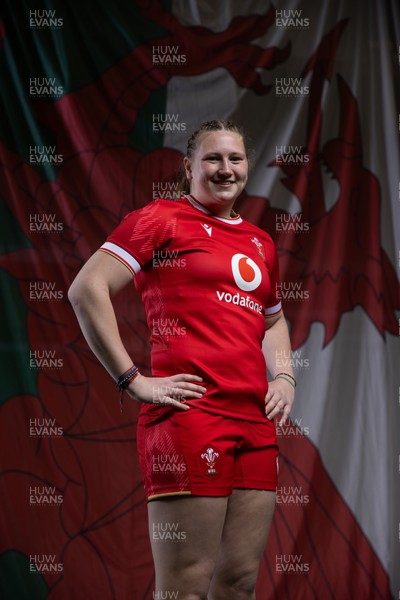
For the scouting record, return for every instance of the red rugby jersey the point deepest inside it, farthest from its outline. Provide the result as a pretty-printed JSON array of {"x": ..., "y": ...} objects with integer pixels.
[{"x": 206, "y": 284}]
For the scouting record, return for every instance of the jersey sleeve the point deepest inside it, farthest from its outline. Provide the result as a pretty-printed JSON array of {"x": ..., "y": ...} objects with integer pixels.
[
  {"x": 141, "y": 235},
  {"x": 273, "y": 304}
]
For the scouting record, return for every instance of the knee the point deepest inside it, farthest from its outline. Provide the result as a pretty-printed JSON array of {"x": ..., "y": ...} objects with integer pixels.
[
  {"x": 167, "y": 594},
  {"x": 240, "y": 586},
  {"x": 189, "y": 582},
  {"x": 195, "y": 580}
]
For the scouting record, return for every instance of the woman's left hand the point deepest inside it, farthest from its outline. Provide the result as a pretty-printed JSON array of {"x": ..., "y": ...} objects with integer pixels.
[{"x": 279, "y": 398}]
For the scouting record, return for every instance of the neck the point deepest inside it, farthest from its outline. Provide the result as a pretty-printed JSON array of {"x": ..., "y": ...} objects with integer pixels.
[{"x": 226, "y": 212}]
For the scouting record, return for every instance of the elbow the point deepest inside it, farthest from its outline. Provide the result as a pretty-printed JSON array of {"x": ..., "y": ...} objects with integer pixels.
[
  {"x": 86, "y": 291},
  {"x": 74, "y": 294},
  {"x": 80, "y": 290}
]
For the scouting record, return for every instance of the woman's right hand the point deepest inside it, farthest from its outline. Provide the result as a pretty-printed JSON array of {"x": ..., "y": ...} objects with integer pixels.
[{"x": 169, "y": 391}]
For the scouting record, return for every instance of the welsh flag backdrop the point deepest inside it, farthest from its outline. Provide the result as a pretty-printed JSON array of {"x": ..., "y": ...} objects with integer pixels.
[{"x": 97, "y": 100}]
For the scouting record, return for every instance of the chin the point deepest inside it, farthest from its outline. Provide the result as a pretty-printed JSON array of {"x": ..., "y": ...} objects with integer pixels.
[
  {"x": 223, "y": 199},
  {"x": 227, "y": 196}
]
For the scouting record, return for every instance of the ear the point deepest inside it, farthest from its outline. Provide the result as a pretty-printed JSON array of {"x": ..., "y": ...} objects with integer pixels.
[{"x": 188, "y": 168}]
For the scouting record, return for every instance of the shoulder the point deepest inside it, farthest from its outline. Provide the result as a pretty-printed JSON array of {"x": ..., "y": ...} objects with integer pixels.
[
  {"x": 161, "y": 207},
  {"x": 158, "y": 210}
]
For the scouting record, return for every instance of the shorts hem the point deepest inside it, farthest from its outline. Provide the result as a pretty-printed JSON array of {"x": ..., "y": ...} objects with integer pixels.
[
  {"x": 216, "y": 493},
  {"x": 167, "y": 494},
  {"x": 269, "y": 487},
  {"x": 212, "y": 492},
  {"x": 195, "y": 491}
]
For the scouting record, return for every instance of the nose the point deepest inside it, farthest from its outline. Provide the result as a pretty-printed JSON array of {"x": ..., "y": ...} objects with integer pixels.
[{"x": 225, "y": 167}]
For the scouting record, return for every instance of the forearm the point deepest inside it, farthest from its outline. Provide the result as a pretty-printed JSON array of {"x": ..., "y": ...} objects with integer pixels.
[
  {"x": 277, "y": 349},
  {"x": 278, "y": 356}
]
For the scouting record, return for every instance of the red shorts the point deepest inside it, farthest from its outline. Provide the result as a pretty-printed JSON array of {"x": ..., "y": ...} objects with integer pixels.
[{"x": 196, "y": 453}]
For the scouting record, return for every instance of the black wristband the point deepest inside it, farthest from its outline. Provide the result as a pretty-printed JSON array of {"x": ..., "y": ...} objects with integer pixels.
[{"x": 287, "y": 375}]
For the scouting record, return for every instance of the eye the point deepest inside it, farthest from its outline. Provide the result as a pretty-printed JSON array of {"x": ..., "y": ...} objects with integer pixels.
[{"x": 236, "y": 159}]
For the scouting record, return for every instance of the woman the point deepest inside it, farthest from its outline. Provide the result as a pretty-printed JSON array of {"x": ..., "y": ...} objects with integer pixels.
[{"x": 208, "y": 283}]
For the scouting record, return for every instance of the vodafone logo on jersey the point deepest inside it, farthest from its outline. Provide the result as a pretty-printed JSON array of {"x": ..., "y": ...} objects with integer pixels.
[
  {"x": 246, "y": 272},
  {"x": 247, "y": 276}
]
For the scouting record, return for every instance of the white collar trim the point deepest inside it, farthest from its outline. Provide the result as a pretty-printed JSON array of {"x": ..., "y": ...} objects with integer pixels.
[{"x": 196, "y": 204}]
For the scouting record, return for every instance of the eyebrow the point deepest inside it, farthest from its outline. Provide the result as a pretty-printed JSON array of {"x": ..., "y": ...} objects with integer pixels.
[{"x": 217, "y": 153}]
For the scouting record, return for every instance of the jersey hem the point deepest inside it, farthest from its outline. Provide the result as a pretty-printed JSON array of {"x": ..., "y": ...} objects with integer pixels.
[{"x": 249, "y": 418}]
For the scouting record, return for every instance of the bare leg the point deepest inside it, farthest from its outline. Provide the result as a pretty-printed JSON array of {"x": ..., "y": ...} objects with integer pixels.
[
  {"x": 248, "y": 518},
  {"x": 185, "y": 535}
]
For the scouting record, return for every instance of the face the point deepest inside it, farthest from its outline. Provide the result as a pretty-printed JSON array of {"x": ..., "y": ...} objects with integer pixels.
[{"x": 217, "y": 171}]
